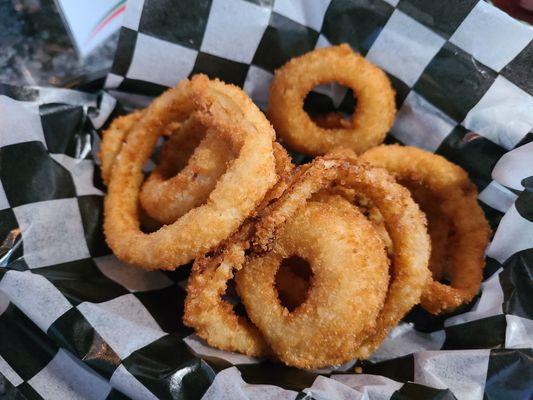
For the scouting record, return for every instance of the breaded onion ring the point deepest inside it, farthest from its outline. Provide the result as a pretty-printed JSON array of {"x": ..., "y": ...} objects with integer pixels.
[
  {"x": 344, "y": 298},
  {"x": 438, "y": 225},
  {"x": 212, "y": 317},
  {"x": 189, "y": 166},
  {"x": 404, "y": 221},
  {"x": 224, "y": 108},
  {"x": 449, "y": 186},
  {"x": 373, "y": 116},
  {"x": 169, "y": 193}
]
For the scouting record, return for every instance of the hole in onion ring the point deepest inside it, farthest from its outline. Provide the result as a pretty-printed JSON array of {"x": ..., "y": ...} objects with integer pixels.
[
  {"x": 191, "y": 162},
  {"x": 292, "y": 281},
  {"x": 322, "y": 108},
  {"x": 177, "y": 164},
  {"x": 148, "y": 224}
]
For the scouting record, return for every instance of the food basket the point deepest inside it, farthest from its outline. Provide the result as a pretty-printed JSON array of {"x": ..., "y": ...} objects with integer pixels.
[{"x": 76, "y": 324}]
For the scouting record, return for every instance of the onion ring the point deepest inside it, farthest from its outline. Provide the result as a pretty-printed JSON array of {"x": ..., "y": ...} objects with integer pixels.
[
  {"x": 403, "y": 219},
  {"x": 225, "y": 108},
  {"x": 194, "y": 162},
  {"x": 449, "y": 186},
  {"x": 438, "y": 225},
  {"x": 213, "y": 318},
  {"x": 344, "y": 297},
  {"x": 373, "y": 116}
]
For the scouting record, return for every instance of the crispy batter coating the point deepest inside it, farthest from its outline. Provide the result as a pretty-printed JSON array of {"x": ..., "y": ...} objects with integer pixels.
[
  {"x": 449, "y": 187},
  {"x": 211, "y": 316},
  {"x": 404, "y": 221},
  {"x": 344, "y": 297},
  {"x": 223, "y": 108},
  {"x": 373, "y": 116}
]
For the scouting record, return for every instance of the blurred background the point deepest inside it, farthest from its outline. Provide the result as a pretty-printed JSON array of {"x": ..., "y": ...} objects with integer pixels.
[{"x": 38, "y": 48}]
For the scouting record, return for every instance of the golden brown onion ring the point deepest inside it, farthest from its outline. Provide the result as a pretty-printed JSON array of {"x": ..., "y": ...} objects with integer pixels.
[
  {"x": 189, "y": 167},
  {"x": 205, "y": 310},
  {"x": 373, "y": 116},
  {"x": 404, "y": 221},
  {"x": 224, "y": 108},
  {"x": 449, "y": 186},
  {"x": 347, "y": 288}
]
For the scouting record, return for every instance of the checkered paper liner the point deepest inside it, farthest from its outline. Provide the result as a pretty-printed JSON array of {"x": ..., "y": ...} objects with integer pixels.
[{"x": 77, "y": 324}]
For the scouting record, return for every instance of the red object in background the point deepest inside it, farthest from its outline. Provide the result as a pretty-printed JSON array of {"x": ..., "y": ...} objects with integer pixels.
[{"x": 519, "y": 9}]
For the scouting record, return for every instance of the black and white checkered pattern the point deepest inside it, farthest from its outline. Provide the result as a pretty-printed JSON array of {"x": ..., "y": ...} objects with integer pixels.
[{"x": 75, "y": 323}]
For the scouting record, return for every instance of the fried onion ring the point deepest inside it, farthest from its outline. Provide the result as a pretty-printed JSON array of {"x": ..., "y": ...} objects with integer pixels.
[
  {"x": 450, "y": 188},
  {"x": 212, "y": 317},
  {"x": 404, "y": 221},
  {"x": 373, "y": 116},
  {"x": 189, "y": 166},
  {"x": 224, "y": 108},
  {"x": 344, "y": 297}
]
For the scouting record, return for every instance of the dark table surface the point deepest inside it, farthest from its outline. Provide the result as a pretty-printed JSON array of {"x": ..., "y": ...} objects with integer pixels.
[{"x": 35, "y": 48}]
